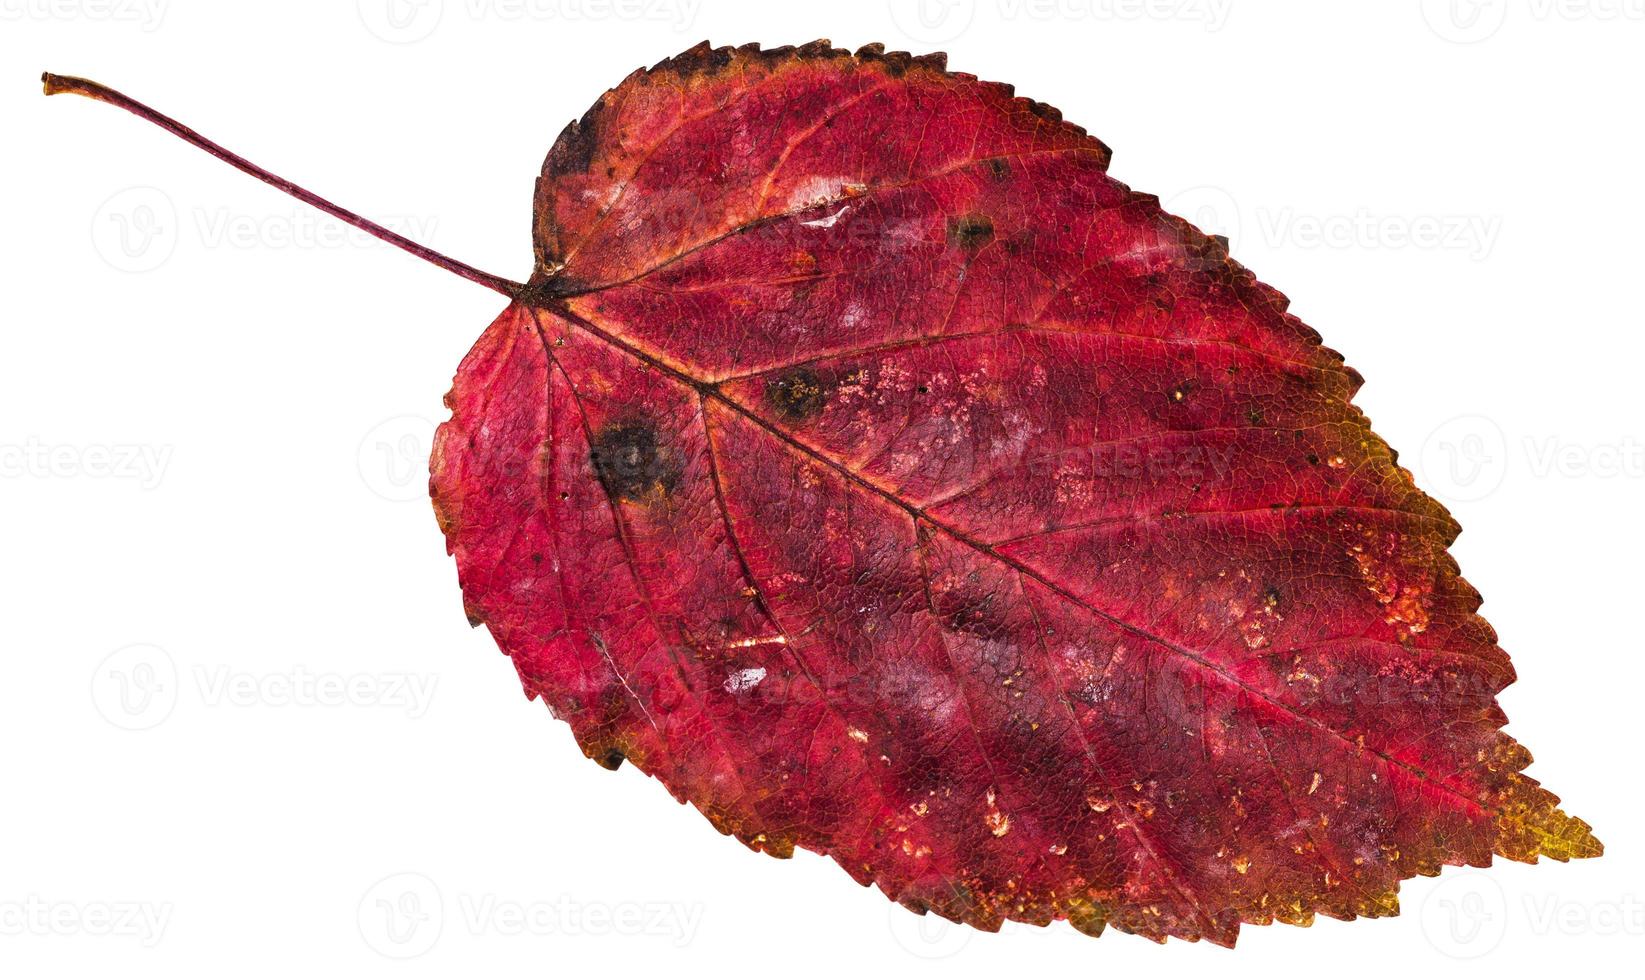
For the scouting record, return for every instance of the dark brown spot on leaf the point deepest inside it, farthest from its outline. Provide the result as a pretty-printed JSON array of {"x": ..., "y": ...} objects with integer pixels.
[
  {"x": 797, "y": 395},
  {"x": 970, "y": 231},
  {"x": 631, "y": 464}
]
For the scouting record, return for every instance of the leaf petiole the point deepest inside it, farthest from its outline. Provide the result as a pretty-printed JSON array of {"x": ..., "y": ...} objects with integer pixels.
[{"x": 56, "y": 84}]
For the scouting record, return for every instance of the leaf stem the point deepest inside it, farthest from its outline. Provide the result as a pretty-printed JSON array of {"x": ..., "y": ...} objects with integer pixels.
[{"x": 56, "y": 84}]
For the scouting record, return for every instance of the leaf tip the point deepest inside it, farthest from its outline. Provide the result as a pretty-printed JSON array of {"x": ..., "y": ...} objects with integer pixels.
[{"x": 1530, "y": 825}]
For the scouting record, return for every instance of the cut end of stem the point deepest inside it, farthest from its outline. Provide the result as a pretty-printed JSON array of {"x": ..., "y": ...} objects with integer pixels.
[{"x": 58, "y": 84}]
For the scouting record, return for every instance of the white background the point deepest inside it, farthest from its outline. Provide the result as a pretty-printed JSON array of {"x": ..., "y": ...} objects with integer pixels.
[{"x": 246, "y": 727}]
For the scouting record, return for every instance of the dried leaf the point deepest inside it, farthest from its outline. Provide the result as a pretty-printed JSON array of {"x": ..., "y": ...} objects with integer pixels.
[{"x": 866, "y": 464}]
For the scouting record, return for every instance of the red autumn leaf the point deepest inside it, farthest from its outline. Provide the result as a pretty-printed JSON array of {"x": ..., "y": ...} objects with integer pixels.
[{"x": 866, "y": 464}]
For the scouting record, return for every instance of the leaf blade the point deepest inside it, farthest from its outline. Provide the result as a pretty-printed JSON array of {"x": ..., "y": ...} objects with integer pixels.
[{"x": 889, "y": 565}]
